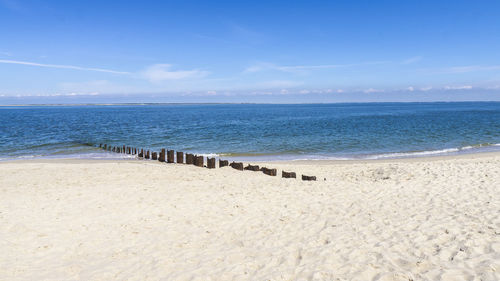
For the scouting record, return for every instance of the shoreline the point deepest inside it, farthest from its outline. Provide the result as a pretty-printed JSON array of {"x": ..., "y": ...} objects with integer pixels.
[{"x": 475, "y": 155}]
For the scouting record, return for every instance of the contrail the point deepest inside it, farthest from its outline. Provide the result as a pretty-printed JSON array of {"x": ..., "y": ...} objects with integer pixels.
[{"x": 64, "y": 66}]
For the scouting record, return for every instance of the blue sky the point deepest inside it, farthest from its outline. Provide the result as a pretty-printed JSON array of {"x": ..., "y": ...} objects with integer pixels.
[{"x": 248, "y": 51}]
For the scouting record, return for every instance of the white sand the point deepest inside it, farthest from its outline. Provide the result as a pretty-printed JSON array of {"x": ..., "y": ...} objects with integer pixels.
[{"x": 423, "y": 219}]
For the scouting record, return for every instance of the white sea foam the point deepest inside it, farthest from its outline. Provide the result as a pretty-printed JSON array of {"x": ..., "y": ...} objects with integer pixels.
[
  {"x": 455, "y": 150},
  {"x": 413, "y": 154},
  {"x": 100, "y": 154},
  {"x": 394, "y": 155},
  {"x": 89, "y": 155},
  {"x": 210, "y": 155}
]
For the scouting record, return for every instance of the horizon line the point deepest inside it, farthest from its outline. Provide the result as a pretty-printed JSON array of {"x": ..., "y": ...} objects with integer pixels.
[{"x": 234, "y": 103}]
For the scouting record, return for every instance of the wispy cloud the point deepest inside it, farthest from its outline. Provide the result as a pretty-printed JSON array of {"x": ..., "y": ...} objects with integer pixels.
[
  {"x": 468, "y": 68},
  {"x": 162, "y": 72},
  {"x": 278, "y": 84},
  {"x": 265, "y": 66},
  {"x": 71, "y": 94},
  {"x": 153, "y": 73},
  {"x": 74, "y": 67},
  {"x": 100, "y": 86},
  {"x": 371, "y": 90},
  {"x": 462, "y": 87},
  {"x": 412, "y": 60},
  {"x": 245, "y": 34}
]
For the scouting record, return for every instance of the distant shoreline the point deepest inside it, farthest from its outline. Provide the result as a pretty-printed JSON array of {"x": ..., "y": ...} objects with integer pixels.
[{"x": 234, "y": 103}]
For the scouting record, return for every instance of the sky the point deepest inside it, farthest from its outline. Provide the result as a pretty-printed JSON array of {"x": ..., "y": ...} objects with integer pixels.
[{"x": 248, "y": 51}]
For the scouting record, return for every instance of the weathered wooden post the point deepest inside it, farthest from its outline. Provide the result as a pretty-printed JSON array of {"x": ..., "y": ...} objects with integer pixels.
[
  {"x": 105, "y": 147},
  {"x": 288, "y": 175},
  {"x": 123, "y": 149},
  {"x": 270, "y": 172},
  {"x": 189, "y": 158},
  {"x": 154, "y": 156},
  {"x": 237, "y": 166},
  {"x": 308, "y": 178},
  {"x": 211, "y": 163},
  {"x": 180, "y": 157},
  {"x": 162, "y": 155},
  {"x": 114, "y": 148},
  {"x": 170, "y": 156},
  {"x": 147, "y": 154},
  {"x": 252, "y": 168},
  {"x": 223, "y": 163},
  {"x": 198, "y": 161},
  {"x": 100, "y": 145},
  {"x": 141, "y": 153}
]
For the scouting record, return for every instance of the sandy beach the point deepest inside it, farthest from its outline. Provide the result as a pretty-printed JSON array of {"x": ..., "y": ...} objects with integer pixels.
[{"x": 407, "y": 219}]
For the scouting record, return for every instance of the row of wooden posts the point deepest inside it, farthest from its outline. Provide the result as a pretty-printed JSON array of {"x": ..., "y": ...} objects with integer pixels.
[{"x": 193, "y": 159}]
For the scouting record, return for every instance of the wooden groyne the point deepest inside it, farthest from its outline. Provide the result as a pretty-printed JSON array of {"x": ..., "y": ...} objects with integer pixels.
[
  {"x": 171, "y": 157},
  {"x": 288, "y": 175}
]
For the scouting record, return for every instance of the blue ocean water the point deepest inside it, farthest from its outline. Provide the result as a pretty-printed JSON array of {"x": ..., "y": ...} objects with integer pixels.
[{"x": 253, "y": 131}]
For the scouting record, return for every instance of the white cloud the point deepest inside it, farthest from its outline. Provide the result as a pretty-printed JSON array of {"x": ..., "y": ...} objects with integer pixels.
[
  {"x": 411, "y": 89},
  {"x": 278, "y": 84},
  {"x": 468, "y": 68},
  {"x": 260, "y": 67},
  {"x": 5, "y": 54},
  {"x": 464, "y": 87},
  {"x": 74, "y": 67},
  {"x": 425, "y": 89},
  {"x": 153, "y": 73},
  {"x": 412, "y": 60},
  {"x": 72, "y": 94},
  {"x": 265, "y": 66},
  {"x": 162, "y": 72},
  {"x": 371, "y": 90},
  {"x": 100, "y": 86}
]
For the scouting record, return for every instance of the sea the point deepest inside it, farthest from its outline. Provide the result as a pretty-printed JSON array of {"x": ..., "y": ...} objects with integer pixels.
[{"x": 252, "y": 131}]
